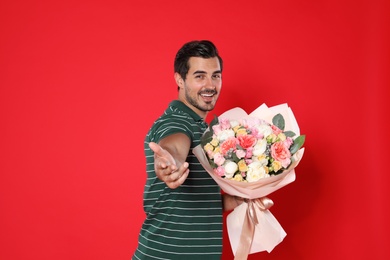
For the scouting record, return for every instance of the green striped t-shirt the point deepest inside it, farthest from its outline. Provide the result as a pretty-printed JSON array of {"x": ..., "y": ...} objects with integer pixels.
[{"x": 186, "y": 222}]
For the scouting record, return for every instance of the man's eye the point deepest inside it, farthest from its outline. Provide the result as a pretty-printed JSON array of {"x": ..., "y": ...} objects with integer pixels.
[{"x": 217, "y": 76}]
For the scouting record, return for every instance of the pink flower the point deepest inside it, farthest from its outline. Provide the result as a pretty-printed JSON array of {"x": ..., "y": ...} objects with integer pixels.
[
  {"x": 276, "y": 130},
  {"x": 224, "y": 123},
  {"x": 210, "y": 154},
  {"x": 219, "y": 159},
  {"x": 220, "y": 171},
  {"x": 246, "y": 141},
  {"x": 240, "y": 154},
  {"x": 256, "y": 133},
  {"x": 217, "y": 129},
  {"x": 249, "y": 152},
  {"x": 228, "y": 144},
  {"x": 288, "y": 142},
  {"x": 248, "y": 161},
  {"x": 280, "y": 152}
]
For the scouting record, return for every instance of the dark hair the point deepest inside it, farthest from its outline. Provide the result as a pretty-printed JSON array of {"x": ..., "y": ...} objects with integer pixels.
[{"x": 204, "y": 49}]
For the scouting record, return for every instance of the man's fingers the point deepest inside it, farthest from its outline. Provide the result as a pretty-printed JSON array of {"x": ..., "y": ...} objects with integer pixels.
[
  {"x": 159, "y": 152},
  {"x": 175, "y": 180},
  {"x": 166, "y": 168},
  {"x": 156, "y": 148}
]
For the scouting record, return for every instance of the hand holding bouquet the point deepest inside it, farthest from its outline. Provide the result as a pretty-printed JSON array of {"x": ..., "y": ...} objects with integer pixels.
[{"x": 251, "y": 156}]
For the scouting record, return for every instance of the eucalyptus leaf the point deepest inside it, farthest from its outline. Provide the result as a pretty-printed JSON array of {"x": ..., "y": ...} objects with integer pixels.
[
  {"x": 278, "y": 121},
  {"x": 208, "y": 135},
  {"x": 213, "y": 123},
  {"x": 212, "y": 164},
  {"x": 206, "y": 138},
  {"x": 235, "y": 157},
  {"x": 289, "y": 133},
  {"x": 298, "y": 143}
]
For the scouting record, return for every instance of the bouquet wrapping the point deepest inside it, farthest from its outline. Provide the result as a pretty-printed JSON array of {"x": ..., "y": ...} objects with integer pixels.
[{"x": 250, "y": 157}]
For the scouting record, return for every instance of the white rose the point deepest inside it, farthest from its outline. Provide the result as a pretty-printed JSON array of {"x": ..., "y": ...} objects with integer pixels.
[
  {"x": 230, "y": 169},
  {"x": 264, "y": 129},
  {"x": 260, "y": 147},
  {"x": 234, "y": 123},
  {"x": 225, "y": 134},
  {"x": 255, "y": 172},
  {"x": 261, "y": 159}
]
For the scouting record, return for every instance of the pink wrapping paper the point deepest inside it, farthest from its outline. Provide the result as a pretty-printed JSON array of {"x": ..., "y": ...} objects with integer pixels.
[{"x": 267, "y": 231}]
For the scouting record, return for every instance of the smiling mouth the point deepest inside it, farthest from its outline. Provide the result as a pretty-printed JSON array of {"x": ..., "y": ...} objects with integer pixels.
[{"x": 208, "y": 93}]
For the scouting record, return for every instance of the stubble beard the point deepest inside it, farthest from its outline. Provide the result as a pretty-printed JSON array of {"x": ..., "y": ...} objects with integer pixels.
[{"x": 194, "y": 103}]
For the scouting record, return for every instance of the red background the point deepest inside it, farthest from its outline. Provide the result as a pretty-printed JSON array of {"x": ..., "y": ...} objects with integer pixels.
[{"x": 82, "y": 81}]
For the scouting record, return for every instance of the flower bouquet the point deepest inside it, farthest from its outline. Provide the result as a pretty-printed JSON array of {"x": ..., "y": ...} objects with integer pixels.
[{"x": 251, "y": 156}]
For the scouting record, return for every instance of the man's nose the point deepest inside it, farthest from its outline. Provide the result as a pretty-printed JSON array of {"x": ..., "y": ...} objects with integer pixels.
[{"x": 210, "y": 83}]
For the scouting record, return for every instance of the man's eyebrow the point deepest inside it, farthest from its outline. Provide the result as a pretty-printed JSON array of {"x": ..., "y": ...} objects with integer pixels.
[
  {"x": 204, "y": 72},
  {"x": 199, "y": 72}
]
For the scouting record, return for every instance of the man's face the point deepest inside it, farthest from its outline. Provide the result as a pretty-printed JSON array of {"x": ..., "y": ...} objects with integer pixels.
[{"x": 200, "y": 90}]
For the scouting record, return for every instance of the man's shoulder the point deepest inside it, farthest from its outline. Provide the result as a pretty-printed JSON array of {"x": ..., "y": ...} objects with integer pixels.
[
  {"x": 173, "y": 115},
  {"x": 174, "y": 111}
]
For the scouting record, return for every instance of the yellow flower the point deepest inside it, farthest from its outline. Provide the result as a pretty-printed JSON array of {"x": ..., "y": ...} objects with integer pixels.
[
  {"x": 208, "y": 147},
  {"x": 238, "y": 177},
  {"x": 217, "y": 149},
  {"x": 276, "y": 165},
  {"x": 241, "y": 131},
  {"x": 281, "y": 137},
  {"x": 235, "y": 129},
  {"x": 271, "y": 138},
  {"x": 214, "y": 142},
  {"x": 242, "y": 167}
]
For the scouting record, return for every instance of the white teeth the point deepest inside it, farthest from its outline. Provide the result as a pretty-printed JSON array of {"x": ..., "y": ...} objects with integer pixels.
[{"x": 207, "y": 95}]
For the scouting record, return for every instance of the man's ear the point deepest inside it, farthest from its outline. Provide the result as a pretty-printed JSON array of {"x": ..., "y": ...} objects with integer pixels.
[{"x": 179, "y": 80}]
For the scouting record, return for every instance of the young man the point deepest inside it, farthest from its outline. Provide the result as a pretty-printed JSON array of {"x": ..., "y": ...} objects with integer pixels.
[{"x": 183, "y": 204}]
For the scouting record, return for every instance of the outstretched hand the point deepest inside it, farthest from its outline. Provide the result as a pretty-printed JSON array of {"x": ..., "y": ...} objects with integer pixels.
[{"x": 166, "y": 167}]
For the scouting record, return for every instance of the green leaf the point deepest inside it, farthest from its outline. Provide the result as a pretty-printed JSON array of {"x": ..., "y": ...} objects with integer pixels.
[
  {"x": 208, "y": 135},
  {"x": 298, "y": 143},
  {"x": 206, "y": 138},
  {"x": 278, "y": 121},
  {"x": 213, "y": 123},
  {"x": 235, "y": 158},
  {"x": 289, "y": 133},
  {"x": 212, "y": 164}
]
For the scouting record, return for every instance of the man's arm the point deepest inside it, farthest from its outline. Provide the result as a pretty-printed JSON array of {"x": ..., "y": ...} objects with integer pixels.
[
  {"x": 229, "y": 202},
  {"x": 170, "y": 159}
]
